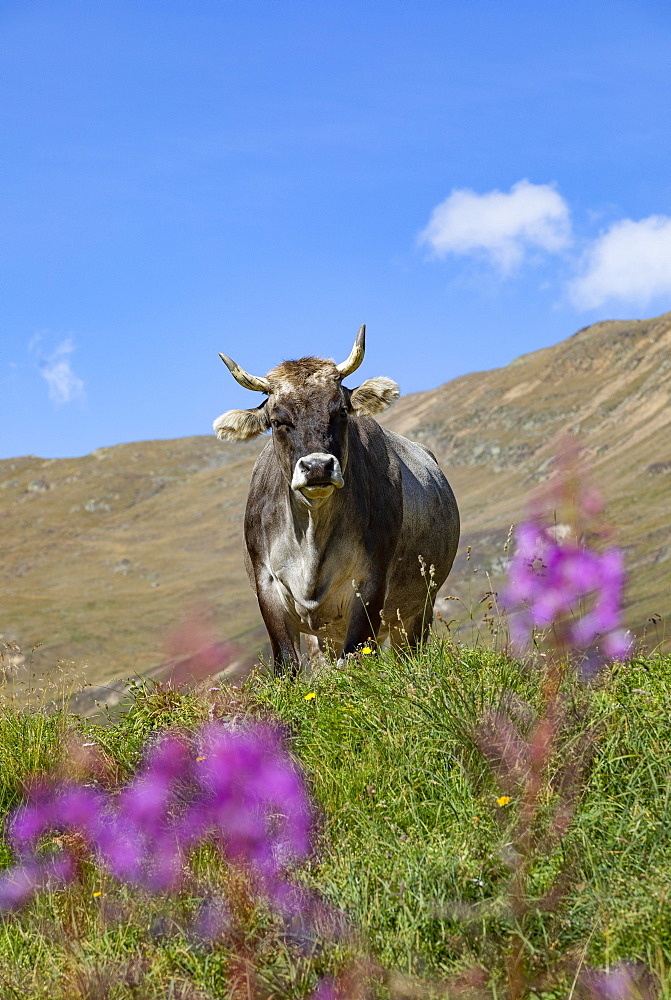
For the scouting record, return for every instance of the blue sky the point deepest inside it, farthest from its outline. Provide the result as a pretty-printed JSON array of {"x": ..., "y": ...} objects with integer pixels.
[{"x": 471, "y": 180}]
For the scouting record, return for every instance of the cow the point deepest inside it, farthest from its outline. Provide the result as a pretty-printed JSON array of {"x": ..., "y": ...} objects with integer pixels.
[{"x": 349, "y": 529}]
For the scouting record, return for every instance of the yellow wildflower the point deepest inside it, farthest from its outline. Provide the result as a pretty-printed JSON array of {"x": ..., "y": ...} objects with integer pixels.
[
  {"x": 503, "y": 800},
  {"x": 366, "y": 650},
  {"x": 310, "y": 696},
  {"x": 98, "y": 893}
]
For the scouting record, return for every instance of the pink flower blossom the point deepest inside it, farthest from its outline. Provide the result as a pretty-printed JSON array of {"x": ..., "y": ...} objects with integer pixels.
[
  {"x": 243, "y": 790},
  {"x": 567, "y": 585}
]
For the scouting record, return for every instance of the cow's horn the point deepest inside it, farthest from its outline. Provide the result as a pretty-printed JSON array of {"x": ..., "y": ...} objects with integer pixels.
[
  {"x": 356, "y": 356},
  {"x": 244, "y": 378}
]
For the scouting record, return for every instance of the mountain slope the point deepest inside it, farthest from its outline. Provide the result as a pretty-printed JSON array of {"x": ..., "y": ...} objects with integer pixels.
[
  {"x": 102, "y": 554},
  {"x": 495, "y": 434}
]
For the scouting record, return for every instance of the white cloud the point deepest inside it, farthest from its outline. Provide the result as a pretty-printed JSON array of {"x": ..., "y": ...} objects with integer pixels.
[
  {"x": 64, "y": 385},
  {"x": 631, "y": 261},
  {"x": 501, "y": 225}
]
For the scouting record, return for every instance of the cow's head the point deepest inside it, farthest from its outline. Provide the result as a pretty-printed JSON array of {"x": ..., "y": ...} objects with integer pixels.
[{"x": 307, "y": 409}]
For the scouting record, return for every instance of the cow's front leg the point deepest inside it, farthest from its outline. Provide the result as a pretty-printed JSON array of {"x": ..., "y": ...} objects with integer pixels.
[
  {"x": 365, "y": 617},
  {"x": 283, "y": 633}
]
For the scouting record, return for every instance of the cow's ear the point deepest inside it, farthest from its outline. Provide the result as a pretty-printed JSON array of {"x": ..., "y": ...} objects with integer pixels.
[
  {"x": 374, "y": 396},
  {"x": 241, "y": 425}
]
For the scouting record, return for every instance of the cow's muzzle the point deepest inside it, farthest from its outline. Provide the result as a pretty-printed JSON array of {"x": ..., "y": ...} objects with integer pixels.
[{"x": 317, "y": 475}]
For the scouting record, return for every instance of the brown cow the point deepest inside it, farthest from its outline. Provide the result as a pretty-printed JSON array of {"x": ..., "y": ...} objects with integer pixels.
[{"x": 339, "y": 510}]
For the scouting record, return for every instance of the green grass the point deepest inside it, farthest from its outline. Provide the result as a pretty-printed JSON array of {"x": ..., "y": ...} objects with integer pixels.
[
  {"x": 401, "y": 781},
  {"x": 410, "y": 840}
]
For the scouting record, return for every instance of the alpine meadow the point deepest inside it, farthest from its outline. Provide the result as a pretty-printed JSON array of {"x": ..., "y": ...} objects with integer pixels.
[{"x": 485, "y": 816}]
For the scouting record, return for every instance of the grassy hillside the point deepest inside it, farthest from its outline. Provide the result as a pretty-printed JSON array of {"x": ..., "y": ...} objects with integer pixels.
[
  {"x": 496, "y": 432},
  {"x": 416, "y": 841},
  {"x": 101, "y": 554}
]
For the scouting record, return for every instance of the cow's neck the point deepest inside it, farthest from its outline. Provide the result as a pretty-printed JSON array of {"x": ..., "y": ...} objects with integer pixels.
[
  {"x": 306, "y": 555},
  {"x": 316, "y": 522}
]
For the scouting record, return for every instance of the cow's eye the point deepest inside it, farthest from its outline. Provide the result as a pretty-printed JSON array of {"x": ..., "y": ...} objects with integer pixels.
[{"x": 280, "y": 423}]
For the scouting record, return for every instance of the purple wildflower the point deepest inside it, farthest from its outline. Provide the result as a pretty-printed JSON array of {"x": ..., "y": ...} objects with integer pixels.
[
  {"x": 550, "y": 580},
  {"x": 623, "y": 981},
  {"x": 146, "y": 800},
  {"x": 243, "y": 790},
  {"x": 18, "y": 885},
  {"x": 555, "y": 580},
  {"x": 120, "y": 847},
  {"x": 140, "y": 843},
  {"x": 326, "y": 990},
  {"x": 64, "y": 808},
  {"x": 255, "y": 798}
]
